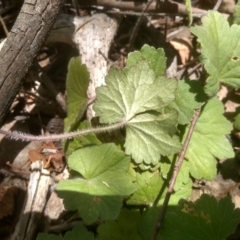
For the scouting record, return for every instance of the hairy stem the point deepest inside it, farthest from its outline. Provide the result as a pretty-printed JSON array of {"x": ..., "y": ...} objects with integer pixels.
[{"x": 63, "y": 136}]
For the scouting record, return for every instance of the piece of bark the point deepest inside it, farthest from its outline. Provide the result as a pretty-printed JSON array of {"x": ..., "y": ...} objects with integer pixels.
[
  {"x": 54, "y": 207},
  {"x": 92, "y": 35},
  {"x": 93, "y": 41},
  {"x": 23, "y": 43},
  {"x": 35, "y": 202}
]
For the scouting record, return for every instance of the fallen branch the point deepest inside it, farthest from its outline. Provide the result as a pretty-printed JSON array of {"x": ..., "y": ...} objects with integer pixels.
[
  {"x": 22, "y": 45},
  {"x": 162, "y": 7}
]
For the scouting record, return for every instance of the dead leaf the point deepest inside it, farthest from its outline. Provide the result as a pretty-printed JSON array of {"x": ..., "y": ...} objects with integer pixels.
[
  {"x": 184, "y": 48},
  {"x": 7, "y": 200},
  {"x": 57, "y": 162},
  {"x": 35, "y": 155}
]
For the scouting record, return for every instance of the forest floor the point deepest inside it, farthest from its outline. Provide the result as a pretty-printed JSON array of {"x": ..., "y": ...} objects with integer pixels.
[{"x": 36, "y": 109}]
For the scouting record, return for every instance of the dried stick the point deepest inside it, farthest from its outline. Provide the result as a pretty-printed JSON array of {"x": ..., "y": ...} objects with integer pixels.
[
  {"x": 22, "y": 45},
  {"x": 137, "y": 25},
  {"x": 163, "y": 7},
  {"x": 174, "y": 175},
  {"x": 3, "y": 25},
  {"x": 217, "y": 5}
]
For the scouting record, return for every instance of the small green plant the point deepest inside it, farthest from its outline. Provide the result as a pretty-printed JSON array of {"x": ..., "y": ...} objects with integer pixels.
[{"x": 151, "y": 116}]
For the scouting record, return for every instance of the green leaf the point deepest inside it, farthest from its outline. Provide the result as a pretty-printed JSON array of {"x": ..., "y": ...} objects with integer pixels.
[
  {"x": 237, "y": 122},
  {"x": 148, "y": 187},
  {"x": 104, "y": 182},
  {"x": 208, "y": 141},
  {"x": 136, "y": 96},
  {"x": 185, "y": 102},
  {"x": 206, "y": 219},
  {"x": 183, "y": 192},
  {"x": 144, "y": 167},
  {"x": 45, "y": 236},
  {"x": 151, "y": 184},
  {"x": 183, "y": 176},
  {"x": 220, "y": 51},
  {"x": 166, "y": 163},
  {"x": 77, "y": 84},
  {"x": 155, "y": 58},
  {"x": 133, "y": 91},
  {"x": 149, "y": 218},
  {"x": 81, "y": 141},
  {"x": 148, "y": 136},
  {"x": 148, "y": 222},
  {"x": 78, "y": 232},
  {"x": 123, "y": 228}
]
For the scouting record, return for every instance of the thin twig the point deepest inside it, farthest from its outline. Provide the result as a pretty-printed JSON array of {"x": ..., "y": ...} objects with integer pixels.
[
  {"x": 138, "y": 24},
  {"x": 165, "y": 27},
  {"x": 228, "y": 191},
  {"x": 76, "y": 5},
  {"x": 47, "y": 81},
  {"x": 174, "y": 175},
  {"x": 15, "y": 173},
  {"x": 4, "y": 25},
  {"x": 217, "y": 5},
  {"x": 194, "y": 69},
  {"x": 165, "y": 7},
  {"x": 130, "y": 13}
]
